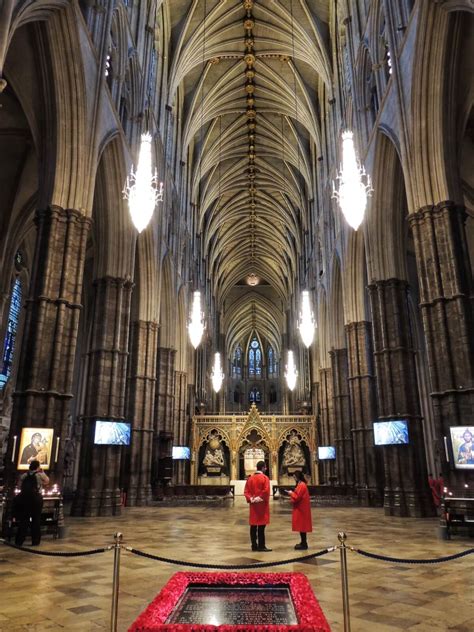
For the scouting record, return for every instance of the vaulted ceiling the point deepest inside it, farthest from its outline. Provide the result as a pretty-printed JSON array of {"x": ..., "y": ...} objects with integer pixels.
[{"x": 247, "y": 76}]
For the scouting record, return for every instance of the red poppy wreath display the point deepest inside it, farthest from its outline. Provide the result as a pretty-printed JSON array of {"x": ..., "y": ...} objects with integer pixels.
[{"x": 308, "y": 612}]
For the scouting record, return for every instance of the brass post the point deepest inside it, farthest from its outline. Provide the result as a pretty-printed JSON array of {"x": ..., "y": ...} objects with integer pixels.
[
  {"x": 116, "y": 581},
  {"x": 344, "y": 579}
]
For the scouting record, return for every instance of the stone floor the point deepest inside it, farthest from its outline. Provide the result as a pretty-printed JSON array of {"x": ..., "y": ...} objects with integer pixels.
[{"x": 49, "y": 593}]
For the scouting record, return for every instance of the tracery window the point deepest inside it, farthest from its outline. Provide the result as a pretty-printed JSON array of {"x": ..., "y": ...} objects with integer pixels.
[
  {"x": 255, "y": 396},
  {"x": 255, "y": 359},
  {"x": 271, "y": 362},
  {"x": 237, "y": 362},
  {"x": 10, "y": 334}
]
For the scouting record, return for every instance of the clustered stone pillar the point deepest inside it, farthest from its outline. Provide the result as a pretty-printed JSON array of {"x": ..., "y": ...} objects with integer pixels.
[
  {"x": 164, "y": 412},
  {"x": 368, "y": 465},
  {"x": 342, "y": 418},
  {"x": 406, "y": 490},
  {"x": 446, "y": 302},
  {"x": 99, "y": 484},
  {"x": 327, "y": 430},
  {"x": 45, "y": 374},
  {"x": 141, "y": 405}
]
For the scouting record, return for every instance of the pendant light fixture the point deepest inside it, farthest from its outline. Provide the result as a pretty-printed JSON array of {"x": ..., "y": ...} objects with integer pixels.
[
  {"x": 307, "y": 323},
  {"x": 217, "y": 376},
  {"x": 291, "y": 373},
  {"x": 196, "y": 324},
  {"x": 354, "y": 184},
  {"x": 142, "y": 189}
]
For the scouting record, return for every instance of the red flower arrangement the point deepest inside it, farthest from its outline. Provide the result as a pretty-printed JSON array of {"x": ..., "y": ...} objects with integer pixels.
[{"x": 309, "y": 613}]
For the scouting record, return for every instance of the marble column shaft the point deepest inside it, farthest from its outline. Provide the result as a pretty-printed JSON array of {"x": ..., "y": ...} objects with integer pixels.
[
  {"x": 99, "y": 484},
  {"x": 446, "y": 302},
  {"x": 141, "y": 406},
  {"x": 368, "y": 466},
  {"x": 165, "y": 392},
  {"x": 45, "y": 373},
  {"x": 342, "y": 418},
  {"x": 406, "y": 490}
]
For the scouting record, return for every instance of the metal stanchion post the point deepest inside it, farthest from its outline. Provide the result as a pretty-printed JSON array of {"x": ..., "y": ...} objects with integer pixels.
[
  {"x": 116, "y": 582},
  {"x": 345, "y": 584}
]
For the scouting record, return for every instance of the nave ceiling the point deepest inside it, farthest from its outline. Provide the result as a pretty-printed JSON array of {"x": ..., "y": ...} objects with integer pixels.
[{"x": 245, "y": 82}]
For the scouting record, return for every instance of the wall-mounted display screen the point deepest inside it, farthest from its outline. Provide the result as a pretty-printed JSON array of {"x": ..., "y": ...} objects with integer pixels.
[
  {"x": 112, "y": 432},
  {"x": 35, "y": 445},
  {"x": 181, "y": 452},
  {"x": 462, "y": 440},
  {"x": 326, "y": 453},
  {"x": 391, "y": 432}
]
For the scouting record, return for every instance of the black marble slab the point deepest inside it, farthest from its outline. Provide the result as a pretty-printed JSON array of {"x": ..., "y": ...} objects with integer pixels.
[{"x": 235, "y": 605}]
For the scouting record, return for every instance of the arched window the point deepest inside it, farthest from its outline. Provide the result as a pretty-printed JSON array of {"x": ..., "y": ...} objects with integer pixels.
[
  {"x": 255, "y": 359},
  {"x": 271, "y": 363},
  {"x": 237, "y": 362},
  {"x": 10, "y": 334},
  {"x": 255, "y": 396}
]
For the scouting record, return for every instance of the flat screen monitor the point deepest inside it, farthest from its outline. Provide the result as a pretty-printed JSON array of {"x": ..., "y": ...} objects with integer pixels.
[
  {"x": 111, "y": 432},
  {"x": 181, "y": 452},
  {"x": 326, "y": 453},
  {"x": 391, "y": 432},
  {"x": 462, "y": 440}
]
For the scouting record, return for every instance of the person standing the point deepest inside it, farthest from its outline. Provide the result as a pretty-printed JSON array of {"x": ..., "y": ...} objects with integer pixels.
[
  {"x": 257, "y": 494},
  {"x": 301, "y": 519},
  {"x": 29, "y": 503}
]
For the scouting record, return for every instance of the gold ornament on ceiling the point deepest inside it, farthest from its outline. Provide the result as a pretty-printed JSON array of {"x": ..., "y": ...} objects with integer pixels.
[
  {"x": 249, "y": 23},
  {"x": 249, "y": 59}
]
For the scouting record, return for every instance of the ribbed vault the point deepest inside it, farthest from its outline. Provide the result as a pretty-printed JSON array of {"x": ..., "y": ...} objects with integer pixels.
[{"x": 248, "y": 73}]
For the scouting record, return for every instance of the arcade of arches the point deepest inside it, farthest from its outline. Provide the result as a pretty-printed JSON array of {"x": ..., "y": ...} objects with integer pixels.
[{"x": 246, "y": 102}]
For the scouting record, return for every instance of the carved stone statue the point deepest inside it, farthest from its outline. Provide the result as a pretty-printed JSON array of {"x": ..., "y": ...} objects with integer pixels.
[
  {"x": 293, "y": 454},
  {"x": 214, "y": 455}
]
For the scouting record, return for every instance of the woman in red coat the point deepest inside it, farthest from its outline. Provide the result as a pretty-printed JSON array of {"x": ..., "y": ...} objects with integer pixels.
[{"x": 301, "y": 519}]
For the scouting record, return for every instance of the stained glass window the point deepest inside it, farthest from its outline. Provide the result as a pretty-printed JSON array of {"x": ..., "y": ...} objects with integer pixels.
[
  {"x": 237, "y": 362},
  {"x": 10, "y": 334},
  {"x": 255, "y": 396},
  {"x": 255, "y": 358}
]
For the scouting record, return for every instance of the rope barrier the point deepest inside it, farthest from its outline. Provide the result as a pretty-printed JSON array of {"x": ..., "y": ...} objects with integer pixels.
[
  {"x": 57, "y": 553},
  {"x": 229, "y": 567},
  {"x": 401, "y": 560}
]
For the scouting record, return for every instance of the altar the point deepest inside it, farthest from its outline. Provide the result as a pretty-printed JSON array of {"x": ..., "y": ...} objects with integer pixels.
[{"x": 226, "y": 448}]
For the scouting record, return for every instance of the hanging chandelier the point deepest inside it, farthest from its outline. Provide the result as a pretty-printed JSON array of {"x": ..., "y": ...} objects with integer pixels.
[
  {"x": 354, "y": 184},
  {"x": 307, "y": 323},
  {"x": 196, "y": 324},
  {"x": 217, "y": 376},
  {"x": 142, "y": 189},
  {"x": 291, "y": 373}
]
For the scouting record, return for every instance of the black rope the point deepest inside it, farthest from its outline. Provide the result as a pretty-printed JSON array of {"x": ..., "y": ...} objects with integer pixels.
[
  {"x": 401, "y": 560},
  {"x": 57, "y": 553},
  {"x": 229, "y": 567}
]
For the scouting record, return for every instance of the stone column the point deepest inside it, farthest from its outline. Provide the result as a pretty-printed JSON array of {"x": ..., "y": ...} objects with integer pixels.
[
  {"x": 406, "y": 490},
  {"x": 368, "y": 465},
  {"x": 164, "y": 412},
  {"x": 141, "y": 406},
  {"x": 446, "y": 302},
  {"x": 99, "y": 484},
  {"x": 326, "y": 430},
  {"x": 45, "y": 373},
  {"x": 342, "y": 418}
]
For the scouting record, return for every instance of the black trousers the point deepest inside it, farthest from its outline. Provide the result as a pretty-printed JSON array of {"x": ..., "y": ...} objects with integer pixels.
[
  {"x": 29, "y": 512},
  {"x": 257, "y": 536}
]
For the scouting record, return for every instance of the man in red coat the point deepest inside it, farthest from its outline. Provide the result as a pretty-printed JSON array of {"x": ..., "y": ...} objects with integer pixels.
[
  {"x": 257, "y": 494},
  {"x": 301, "y": 519}
]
